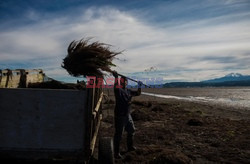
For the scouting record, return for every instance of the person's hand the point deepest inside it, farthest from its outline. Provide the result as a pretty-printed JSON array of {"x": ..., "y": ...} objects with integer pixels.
[
  {"x": 140, "y": 83},
  {"x": 115, "y": 74}
]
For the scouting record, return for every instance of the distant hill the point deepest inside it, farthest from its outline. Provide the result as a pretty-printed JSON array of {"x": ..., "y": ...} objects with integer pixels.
[
  {"x": 230, "y": 80},
  {"x": 229, "y": 77}
]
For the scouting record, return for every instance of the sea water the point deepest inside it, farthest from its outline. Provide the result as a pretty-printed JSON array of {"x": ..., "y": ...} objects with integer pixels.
[{"x": 235, "y": 97}]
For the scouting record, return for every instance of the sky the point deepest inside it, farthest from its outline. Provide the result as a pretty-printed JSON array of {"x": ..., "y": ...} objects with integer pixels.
[{"x": 172, "y": 40}]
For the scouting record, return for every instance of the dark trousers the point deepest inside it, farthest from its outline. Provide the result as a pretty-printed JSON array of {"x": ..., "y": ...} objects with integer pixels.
[{"x": 121, "y": 123}]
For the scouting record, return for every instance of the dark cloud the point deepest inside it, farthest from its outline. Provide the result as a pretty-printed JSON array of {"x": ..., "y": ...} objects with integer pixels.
[{"x": 181, "y": 38}]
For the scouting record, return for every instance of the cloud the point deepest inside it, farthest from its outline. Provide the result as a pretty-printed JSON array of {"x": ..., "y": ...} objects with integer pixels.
[{"x": 191, "y": 50}]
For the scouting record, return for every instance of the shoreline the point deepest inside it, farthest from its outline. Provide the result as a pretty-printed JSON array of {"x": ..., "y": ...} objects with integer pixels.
[
  {"x": 225, "y": 110},
  {"x": 169, "y": 130}
]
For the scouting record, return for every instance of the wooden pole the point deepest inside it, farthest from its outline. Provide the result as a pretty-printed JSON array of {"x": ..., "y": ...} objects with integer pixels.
[{"x": 132, "y": 80}]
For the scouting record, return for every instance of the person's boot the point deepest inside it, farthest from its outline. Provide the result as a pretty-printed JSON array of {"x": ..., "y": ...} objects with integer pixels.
[
  {"x": 130, "y": 143},
  {"x": 117, "y": 154},
  {"x": 132, "y": 148}
]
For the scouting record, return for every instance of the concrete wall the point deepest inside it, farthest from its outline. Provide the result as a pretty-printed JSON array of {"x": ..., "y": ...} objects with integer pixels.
[
  {"x": 34, "y": 77},
  {"x": 3, "y": 78},
  {"x": 42, "y": 119},
  {"x": 12, "y": 78}
]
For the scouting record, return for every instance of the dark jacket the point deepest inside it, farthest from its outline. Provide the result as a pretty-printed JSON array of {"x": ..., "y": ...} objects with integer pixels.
[{"x": 123, "y": 100}]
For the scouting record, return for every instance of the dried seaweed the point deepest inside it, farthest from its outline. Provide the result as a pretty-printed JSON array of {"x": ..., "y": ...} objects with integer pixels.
[{"x": 88, "y": 59}]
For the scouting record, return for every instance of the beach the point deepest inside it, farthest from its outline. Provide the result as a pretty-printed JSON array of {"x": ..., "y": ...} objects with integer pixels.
[{"x": 181, "y": 131}]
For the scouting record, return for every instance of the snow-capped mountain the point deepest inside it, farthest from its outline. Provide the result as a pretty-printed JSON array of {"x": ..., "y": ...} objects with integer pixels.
[
  {"x": 230, "y": 80},
  {"x": 234, "y": 75},
  {"x": 230, "y": 77}
]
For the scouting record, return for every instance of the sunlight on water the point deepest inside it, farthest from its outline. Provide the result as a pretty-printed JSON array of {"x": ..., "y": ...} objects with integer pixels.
[{"x": 235, "y": 102}]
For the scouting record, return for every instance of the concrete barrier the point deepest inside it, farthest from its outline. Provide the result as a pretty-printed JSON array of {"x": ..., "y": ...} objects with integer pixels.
[{"x": 20, "y": 78}]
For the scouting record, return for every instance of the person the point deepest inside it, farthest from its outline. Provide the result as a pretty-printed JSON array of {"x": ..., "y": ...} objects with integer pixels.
[{"x": 122, "y": 116}]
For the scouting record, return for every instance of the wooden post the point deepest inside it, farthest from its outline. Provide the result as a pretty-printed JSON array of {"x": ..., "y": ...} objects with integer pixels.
[{"x": 88, "y": 124}]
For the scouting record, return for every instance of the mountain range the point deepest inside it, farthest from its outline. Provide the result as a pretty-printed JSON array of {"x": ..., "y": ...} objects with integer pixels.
[
  {"x": 229, "y": 77},
  {"x": 230, "y": 80}
]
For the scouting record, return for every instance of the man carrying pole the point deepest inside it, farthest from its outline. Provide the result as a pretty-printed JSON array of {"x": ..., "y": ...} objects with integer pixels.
[{"x": 123, "y": 119}]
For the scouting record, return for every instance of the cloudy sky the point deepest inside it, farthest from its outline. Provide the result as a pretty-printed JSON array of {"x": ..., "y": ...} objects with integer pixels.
[{"x": 182, "y": 40}]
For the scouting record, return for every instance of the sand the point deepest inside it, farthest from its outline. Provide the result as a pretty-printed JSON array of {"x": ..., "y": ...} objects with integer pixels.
[{"x": 177, "y": 131}]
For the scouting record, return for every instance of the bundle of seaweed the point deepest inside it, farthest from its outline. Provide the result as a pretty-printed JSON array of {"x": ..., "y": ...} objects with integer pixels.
[{"x": 88, "y": 59}]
